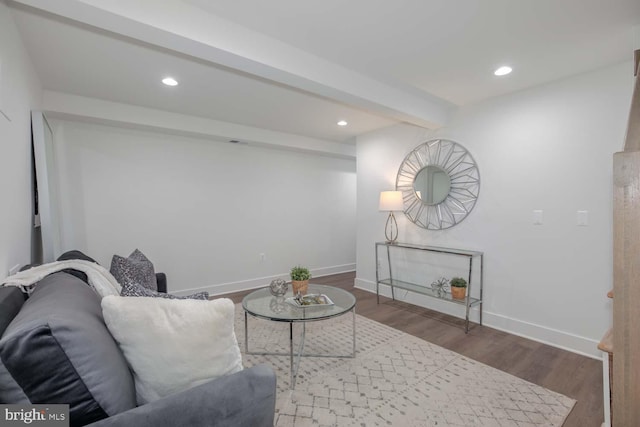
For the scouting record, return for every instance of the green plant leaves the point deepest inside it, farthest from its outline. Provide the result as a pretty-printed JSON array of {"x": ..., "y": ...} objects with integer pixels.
[{"x": 300, "y": 273}]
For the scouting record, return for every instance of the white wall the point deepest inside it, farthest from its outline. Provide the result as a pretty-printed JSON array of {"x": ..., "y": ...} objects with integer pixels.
[
  {"x": 546, "y": 148},
  {"x": 204, "y": 210},
  {"x": 20, "y": 92}
]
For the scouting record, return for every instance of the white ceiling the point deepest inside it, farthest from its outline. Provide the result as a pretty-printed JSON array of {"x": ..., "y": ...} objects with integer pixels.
[
  {"x": 449, "y": 48},
  {"x": 81, "y": 61},
  {"x": 299, "y": 67}
]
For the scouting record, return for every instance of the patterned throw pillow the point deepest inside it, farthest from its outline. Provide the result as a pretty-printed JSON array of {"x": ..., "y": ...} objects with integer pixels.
[
  {"x": 134, "y": 269},
  {"x": 135, "y": 290}
]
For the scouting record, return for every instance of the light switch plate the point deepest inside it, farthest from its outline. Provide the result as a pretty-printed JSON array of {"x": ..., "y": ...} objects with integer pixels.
[
  {"x": 583, "y": 218},
  {"x": 537, "y": 217}
]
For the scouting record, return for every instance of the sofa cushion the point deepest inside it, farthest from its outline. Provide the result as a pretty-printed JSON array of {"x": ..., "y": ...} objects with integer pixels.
[
  {"x": 135, "y": 290},
  {"x": 11, "y": 300},
  {"x": 58, "y": 350},
  {"x": 134, "y": 269},
  {"x": 173, "y": 345},
  {"x": 75, "y": 254}
]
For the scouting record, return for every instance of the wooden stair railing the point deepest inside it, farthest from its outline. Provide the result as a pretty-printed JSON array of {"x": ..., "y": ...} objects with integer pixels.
[{"x": 626, "y": 271}]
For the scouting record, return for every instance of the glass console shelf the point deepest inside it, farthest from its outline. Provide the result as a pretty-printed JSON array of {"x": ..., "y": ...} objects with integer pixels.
[{"x": 468, "y": 302}]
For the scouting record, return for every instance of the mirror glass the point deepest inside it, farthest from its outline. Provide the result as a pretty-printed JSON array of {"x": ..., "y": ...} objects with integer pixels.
[{"x": 432, "y": 184}]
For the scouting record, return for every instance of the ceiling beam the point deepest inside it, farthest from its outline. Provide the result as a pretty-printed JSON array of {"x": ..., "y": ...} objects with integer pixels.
[
  {"x": 79, "y": 108},
  {"x": 181, "y": 27}
]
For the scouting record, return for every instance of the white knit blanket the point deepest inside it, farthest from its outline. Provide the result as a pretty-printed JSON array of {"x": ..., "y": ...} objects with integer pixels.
[{"x": 99, "y": 277}]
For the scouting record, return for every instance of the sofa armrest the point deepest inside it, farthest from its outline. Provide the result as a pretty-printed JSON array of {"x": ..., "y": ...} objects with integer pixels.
[
  {"x": 246, "y": 398},
  {"x": 161, "y": 280}
]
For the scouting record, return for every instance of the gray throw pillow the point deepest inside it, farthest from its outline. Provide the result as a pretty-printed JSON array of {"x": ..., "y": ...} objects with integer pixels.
[
  {"x": 134, "y": 269},
  {"x": 135, "y": 290}
]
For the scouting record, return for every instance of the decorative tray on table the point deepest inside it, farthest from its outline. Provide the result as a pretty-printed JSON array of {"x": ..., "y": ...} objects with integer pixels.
[{"x": 310, "y": 300}]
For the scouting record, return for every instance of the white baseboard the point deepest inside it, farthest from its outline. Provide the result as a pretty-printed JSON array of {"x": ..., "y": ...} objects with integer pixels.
[
  {"x": 260, "y": 282},
  {"x": 553, "y": 337}
]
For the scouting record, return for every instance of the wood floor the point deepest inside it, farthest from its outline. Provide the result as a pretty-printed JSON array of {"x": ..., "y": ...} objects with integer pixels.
[{"x": 573, "y": 375}]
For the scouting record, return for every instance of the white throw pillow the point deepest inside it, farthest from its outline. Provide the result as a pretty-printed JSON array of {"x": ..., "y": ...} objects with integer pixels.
[{"x": 173, "y": 345}]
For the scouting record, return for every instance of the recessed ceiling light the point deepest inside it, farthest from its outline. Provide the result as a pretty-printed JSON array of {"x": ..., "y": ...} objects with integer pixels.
[
  {"x": 342, "y": 123},
  {"x": 502, "y": 71},
  {"x": 170, "y": 81}
]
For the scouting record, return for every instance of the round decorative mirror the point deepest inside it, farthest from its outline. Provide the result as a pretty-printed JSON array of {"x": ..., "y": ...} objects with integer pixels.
[{"x": 440, "y": 183}]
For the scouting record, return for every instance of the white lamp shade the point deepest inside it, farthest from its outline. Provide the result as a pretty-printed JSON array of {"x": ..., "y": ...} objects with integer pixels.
[{"x": 391, "y": 201}]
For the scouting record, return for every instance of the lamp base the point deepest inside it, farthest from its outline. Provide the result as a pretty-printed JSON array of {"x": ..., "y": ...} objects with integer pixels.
[{"x": 391, "y": 229}]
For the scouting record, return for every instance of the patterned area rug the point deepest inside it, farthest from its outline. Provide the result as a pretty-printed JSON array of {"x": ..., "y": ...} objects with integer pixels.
[{"x": 394, "y": 380}]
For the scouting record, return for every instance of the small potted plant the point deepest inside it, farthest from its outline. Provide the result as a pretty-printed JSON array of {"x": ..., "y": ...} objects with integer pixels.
[
  {"x": 458, "y": 288},
  {"x": 300, "y": 280}
]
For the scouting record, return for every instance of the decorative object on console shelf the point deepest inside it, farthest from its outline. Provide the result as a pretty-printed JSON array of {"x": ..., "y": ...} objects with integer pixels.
[
  {"x": 300, "y": 280},
  {"x": 391, "y": 201},
  {"x": 458, "y": 288},
  {"x": 441, "y": 286},
  {"x": 278, "y": 287}
]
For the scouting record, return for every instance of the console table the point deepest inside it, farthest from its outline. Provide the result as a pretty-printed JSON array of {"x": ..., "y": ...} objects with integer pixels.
[{"x": 424, "y": 289}]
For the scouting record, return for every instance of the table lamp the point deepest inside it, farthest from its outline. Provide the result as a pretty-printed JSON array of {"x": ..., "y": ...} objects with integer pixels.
[{"x": 391, "y": 201}]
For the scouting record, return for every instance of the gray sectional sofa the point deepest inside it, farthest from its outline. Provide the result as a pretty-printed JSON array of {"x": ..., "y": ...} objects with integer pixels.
[{"x": 56, "y": 348}]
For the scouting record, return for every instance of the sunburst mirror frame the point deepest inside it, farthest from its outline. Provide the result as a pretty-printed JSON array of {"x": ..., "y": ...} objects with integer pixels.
[{"x": 463, "y": 172}]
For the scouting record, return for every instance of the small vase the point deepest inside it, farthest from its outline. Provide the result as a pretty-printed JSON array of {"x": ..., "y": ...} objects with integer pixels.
[
  {"x": 458, "y": 293},
  {"x": 300, "y": 286}
]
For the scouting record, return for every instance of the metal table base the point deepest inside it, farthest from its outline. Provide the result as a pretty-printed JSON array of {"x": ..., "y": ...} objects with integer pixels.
[{"x": 295, "y": 361}]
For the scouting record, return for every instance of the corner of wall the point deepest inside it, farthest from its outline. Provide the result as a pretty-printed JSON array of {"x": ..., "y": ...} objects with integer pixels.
[{"x": 20, "y": 92}]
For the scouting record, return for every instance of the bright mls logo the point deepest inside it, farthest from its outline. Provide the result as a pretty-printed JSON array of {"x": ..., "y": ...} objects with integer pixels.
[{"x": 36, "y": 415}]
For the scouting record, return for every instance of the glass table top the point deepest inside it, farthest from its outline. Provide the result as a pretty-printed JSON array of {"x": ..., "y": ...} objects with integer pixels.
[{"x": 262, "y": 304}]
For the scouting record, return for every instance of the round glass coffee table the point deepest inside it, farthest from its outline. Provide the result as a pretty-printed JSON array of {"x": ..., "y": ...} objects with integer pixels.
[{"x": 261, "y": 304}]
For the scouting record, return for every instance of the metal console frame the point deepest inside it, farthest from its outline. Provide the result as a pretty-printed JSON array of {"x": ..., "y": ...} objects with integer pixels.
[{"x": 469, "y": 301}]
